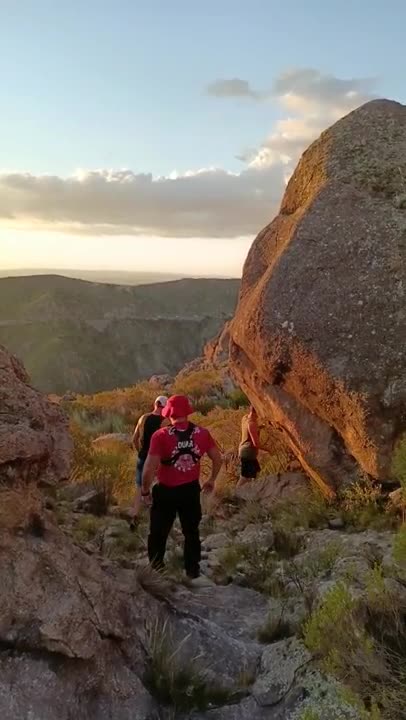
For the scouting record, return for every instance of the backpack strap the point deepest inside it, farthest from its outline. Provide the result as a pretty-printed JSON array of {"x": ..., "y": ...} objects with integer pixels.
[{"x": 182, "y": 435}]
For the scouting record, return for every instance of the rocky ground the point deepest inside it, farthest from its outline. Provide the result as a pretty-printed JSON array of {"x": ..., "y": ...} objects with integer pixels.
[{"x": 235, "y": 649}]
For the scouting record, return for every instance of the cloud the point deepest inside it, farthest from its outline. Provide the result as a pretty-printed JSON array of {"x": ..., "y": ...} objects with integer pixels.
[
  {"x": 232, "y": 88},
  {"x": 210, "y": 202},
  {"x": 314, "y": 89},
  {"x": 314, "y": 101}
]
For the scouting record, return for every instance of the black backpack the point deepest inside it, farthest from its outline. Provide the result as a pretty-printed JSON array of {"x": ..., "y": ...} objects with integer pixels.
[{"x": 184, "y": 446}]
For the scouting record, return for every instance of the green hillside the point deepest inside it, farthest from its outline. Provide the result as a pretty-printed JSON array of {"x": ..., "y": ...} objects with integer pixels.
[{"x": 82, "y": 336}]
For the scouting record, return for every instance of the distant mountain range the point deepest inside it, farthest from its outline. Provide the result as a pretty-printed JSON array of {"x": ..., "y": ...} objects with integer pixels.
[
  {"x": 115, "y": 277},
  {"x": 86, "y": 337}
]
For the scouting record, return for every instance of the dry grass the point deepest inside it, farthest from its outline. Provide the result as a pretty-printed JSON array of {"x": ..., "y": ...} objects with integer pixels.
[
  {"x": 175, "y": 682},
  {"x": 156, "y": 583},
  {"x": 127, "y": 403},
  {"x": 275, "y": 628},
  {"x": 198, "y": 384},
  {"x": 109, "y": 470},
  {"x": 20, "y": 509}
]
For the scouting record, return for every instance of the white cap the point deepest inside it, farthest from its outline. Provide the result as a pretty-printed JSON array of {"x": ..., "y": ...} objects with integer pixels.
[{"x": 161, "y": 400}]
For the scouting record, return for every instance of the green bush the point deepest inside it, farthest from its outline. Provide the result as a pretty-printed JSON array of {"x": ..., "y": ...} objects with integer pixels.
[
  {"x": 237, "y": 399},
  {"x": 399, "y": 463},
  {"x": 330, "y": 632},
  {"x": 363, "y": 643}
]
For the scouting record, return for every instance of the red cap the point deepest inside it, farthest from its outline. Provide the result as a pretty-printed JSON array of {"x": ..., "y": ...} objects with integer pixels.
[{"x": 178, "y": 406}]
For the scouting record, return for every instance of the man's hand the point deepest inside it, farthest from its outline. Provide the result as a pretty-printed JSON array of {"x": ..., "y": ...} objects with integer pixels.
[
  {"x": 216, "y": 463},
  {"x": 208, "y": 487},
  {"x": 146, "y": 499},
  {"x": 148, "y": 476}
]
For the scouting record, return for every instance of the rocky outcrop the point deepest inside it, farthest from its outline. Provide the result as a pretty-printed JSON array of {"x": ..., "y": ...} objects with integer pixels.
[
  {"x": 68, "y": 645},
  {"x": 216, "y": 351},
  {"x": 317, "y": 339},
  {"x": 34, "y": 440},
  {"x": 271, "y": 489}
]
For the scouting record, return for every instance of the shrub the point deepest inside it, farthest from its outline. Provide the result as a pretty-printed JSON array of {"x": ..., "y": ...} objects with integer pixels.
[
  {"x": 204, "y": 405},
  {"x": 361, "y": 505},
  {"x": 363, "y": 642},
  {"x": 325, "y": 559},
  {"x": 399, "y": 462},
  {"x": 123, "y": 543},
  {"x": 87, "y": 528},
  {"x": 256, "y": 561},
  {"x": 305, "y": 510},
  {"x": 198, "y": 384},
  {"x": 237, "y": 399},
  {"x": 331, "y": 632}
]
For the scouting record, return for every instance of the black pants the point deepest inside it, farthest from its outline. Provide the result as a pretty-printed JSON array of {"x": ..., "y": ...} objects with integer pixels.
[{"x": 183, "y": 500}]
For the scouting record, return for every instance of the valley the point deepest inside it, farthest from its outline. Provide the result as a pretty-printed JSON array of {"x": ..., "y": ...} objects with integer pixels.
[{"x": 78, "y": 336}]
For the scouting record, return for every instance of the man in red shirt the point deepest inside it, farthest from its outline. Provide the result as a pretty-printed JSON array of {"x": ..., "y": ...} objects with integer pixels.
[{"x": 174, "y": 458}]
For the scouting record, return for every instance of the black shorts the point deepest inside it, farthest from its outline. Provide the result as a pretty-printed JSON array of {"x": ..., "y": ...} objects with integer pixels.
[{"x": 249, "y": 468}]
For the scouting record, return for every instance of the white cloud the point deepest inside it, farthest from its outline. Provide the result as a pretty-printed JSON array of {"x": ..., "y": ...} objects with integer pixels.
[
  {"x": 210, "y": 202},
  {"x": 314, "y": 102}
]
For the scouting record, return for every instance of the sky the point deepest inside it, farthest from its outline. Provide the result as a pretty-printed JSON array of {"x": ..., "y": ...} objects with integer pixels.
[{"x": 153, "y": 135}]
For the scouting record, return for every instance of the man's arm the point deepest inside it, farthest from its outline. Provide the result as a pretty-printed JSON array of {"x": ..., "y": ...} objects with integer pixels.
[
  {"x": 216, "y": 463},
  {"x": 137, "y": 436},
  {"x": 148, "y": 474},
  {"x": 254, "y": 435}
]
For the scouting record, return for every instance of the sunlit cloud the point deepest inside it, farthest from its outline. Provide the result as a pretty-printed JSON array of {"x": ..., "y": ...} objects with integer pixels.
[{"x": 203, "y": 203}]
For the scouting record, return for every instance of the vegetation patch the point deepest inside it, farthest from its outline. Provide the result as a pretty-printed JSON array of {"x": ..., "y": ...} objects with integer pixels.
[
  {"x": 399, "y": 463},
  {"x": 306, "y": 510},
  {"x": 87, "y": 528},
  {"x": 110, "y": 472},
  {"x": 184, "y": 686},
  {"x": 362, "y": 642},
  {"x": 363, "y": 506},
  {"x": 255, "y": 562},
  {"x": 275, "y": 628}
]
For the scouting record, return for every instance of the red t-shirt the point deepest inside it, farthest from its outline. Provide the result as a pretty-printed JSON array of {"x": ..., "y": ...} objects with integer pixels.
[{"x": 164, "y": 443}]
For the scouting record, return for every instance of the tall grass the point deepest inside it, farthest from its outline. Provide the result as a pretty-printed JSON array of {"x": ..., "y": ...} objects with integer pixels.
[{"x": 109, "y": 471}]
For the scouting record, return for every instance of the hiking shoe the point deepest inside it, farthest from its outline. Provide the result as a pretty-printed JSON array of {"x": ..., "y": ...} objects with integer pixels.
[{"x": 202, "y": 581}]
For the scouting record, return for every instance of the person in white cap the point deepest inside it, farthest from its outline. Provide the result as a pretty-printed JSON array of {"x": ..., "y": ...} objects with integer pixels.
[{"x": 145, "y": 428}]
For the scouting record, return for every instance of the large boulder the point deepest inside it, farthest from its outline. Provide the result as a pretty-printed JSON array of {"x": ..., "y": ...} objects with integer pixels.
[
  {"x": 34, "y": 439},
  {"x": 70, "y": 636},
  {"x": 317, "y": 341}
]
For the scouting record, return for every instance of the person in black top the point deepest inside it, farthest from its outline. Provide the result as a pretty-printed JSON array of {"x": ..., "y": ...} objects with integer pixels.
[{"x": 146, "y": 426}]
